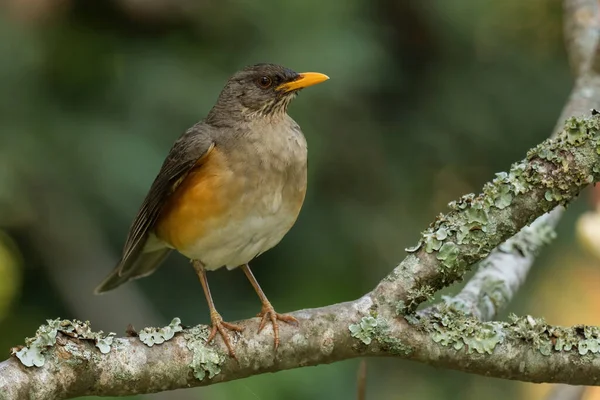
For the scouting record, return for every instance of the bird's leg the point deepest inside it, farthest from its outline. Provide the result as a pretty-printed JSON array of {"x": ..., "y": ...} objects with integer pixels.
[
  {"x": 217, "y": 323},
  {"x": 267, "y": 312}
]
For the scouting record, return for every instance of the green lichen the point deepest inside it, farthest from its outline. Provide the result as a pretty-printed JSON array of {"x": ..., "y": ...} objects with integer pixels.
[
  {"x": 477, "y": 213},
  {"x": 547, "y": 339},
  {"x": 516, "y": 179},
  {"x": 576, "y": 132},
  {"x": 431, "y": 242},
  {"x": 448, "y": 253},
  {"x": 33, "y": 353},
  {"x": 412, "y": 319},
  {"x": 206, "y": 359},
  {"x": 371, "y": 328},
  {"x": 394, "y": 345},
  {"x": 495, "y": 293},
  {"x": 584, "y": 339},
  {"x": 463, "y": 233},
  {"x": 504, "y": 197},
  {"x": 364, "y": 329},
  {"x": 152, "y": 336},
  {"x": 462, "y": 203},
  {"x": 35, "y": 349},
  {"x": 591, "y": 341},
  {"x": 104, "y": 344},
  {"x": 553, "y": 195},
  {"x": 414, "y": 297},
  {"x": 390, "y": 343},
  {"x": 414, "y": 248},
  {"x": 552, "y": 174},
  {"x": 442, "y": 233},
  {"x": 401, "y": 308},
  {"x": 533, "y": 331},
  {"x": 455, "y": 330}
]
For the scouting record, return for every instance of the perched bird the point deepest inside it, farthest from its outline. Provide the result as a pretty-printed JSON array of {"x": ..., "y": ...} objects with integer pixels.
[{"x": 231, "y": 187}]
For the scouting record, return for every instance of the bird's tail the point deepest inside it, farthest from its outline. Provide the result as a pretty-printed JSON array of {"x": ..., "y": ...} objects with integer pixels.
[{"x": 143, "y": 265}]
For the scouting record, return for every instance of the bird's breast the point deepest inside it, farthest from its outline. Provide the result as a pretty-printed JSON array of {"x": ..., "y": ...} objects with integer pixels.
[{"x": 241, "y": 202}]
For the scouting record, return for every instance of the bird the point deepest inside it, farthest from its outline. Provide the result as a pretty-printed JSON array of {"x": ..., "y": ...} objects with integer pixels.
[{"x": 230, "y": 188}]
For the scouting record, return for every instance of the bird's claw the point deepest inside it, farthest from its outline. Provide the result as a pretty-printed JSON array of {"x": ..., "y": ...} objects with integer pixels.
[
  {"x": 268, "y": 313},
  {"x": 219, "y": 326}
]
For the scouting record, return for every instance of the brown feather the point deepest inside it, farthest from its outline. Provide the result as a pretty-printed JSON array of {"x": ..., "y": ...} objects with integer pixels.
[
  {"x": 186, "y": 153},
  {"x": 204, "y": 197}
]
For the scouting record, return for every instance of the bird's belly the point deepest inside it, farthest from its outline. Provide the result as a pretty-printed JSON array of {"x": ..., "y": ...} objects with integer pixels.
[
  {"x": 239, "y": 240},
  {"x": 222, "y": 223},
  {"x": 231, "y": 209}
]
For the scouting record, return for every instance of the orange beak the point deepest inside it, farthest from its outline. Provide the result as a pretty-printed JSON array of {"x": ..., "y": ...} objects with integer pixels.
[{"x": 305, "y": 79}]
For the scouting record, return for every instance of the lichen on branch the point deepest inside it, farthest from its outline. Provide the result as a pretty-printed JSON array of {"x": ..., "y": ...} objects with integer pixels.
[
  {"x": 552, "y": 174},
  {"x": 452, "y": 328},
  {"x": 35, "y": 349},
  {"x": 501, "y": 274}
]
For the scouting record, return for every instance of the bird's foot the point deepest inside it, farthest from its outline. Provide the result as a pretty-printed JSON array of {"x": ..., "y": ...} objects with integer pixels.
[
  {"x": 218, "y": 325},
  {"x": 268, "y": 313}
]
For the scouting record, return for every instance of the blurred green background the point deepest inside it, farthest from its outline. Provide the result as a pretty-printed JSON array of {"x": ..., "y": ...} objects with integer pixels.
[{"x": 427, "y": 100}]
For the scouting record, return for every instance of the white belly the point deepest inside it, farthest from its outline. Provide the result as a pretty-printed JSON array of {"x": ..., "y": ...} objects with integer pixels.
[{"x": 240, "y": 241}]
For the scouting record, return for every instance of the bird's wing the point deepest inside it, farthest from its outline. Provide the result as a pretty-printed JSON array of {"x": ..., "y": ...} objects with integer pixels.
[{"x": 137, "y": 261}]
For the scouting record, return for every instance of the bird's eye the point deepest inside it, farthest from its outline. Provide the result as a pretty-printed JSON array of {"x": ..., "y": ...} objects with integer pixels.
[{"x": 264, "y": 82}]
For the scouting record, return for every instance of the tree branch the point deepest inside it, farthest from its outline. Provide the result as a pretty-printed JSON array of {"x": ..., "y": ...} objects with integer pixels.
[
  {"x": 553, "y": 173},
  {"x": 582, "y": 31},
  {"x": 67, "y": 359},
  {"x": 502, "y": 273},
  {"x": 477, "y": 224}
]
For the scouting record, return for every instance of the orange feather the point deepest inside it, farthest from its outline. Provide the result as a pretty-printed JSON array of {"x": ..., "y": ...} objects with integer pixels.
[{"x": 197, "y": 203}]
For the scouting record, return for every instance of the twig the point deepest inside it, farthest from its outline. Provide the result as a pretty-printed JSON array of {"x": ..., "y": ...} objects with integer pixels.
[{"x": 361, "y": 379}]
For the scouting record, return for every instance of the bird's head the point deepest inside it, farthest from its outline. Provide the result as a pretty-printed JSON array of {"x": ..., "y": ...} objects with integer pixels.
[{"x": 262, "y": 90}]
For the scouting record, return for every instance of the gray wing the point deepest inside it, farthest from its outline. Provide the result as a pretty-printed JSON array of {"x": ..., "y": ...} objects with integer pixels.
[{"x": 139, "y": 260}]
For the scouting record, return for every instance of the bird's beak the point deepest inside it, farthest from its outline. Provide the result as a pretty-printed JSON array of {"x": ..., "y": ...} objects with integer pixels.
[{"x": 304, "y": 79}]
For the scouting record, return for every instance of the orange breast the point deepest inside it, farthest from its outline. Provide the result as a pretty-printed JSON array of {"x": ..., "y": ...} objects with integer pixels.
[{"x": 197, "y": 203}]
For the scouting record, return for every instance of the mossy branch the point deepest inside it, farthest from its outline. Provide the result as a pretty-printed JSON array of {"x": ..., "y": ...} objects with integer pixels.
[
  {"x": 501, "y": 274},
  {"x": 552, "y": 174},
  {"x": 67, "y": 359},
  {"x": 525, "y": 349}
]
